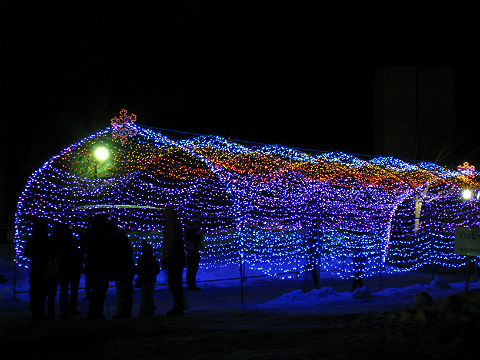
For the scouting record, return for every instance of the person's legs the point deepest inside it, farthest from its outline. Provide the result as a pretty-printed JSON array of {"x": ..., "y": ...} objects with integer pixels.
[
  {"x": 143, "y": 299},
  {"x": 94, "y": 298},
  {"x": 88, "y": 286},
  {"x": 192, "y": 269},
  {"x": 119, "y": 298},
  {"x": 175, "y": 284},
  {"x": 51, "y": 294},
  {"x": 128, "y": 292},
  {"x": 124, "y": 294},
  {"x": 63, "y": 298},
  {"x": 74, "y": 284},
  {"x": 37, "y": 293},
  {"x": 150, "y": 309},
  {"x": 146, "y": 299},
  {"x": 190, "y": 276},
  {"x": 97, "y": 298}
]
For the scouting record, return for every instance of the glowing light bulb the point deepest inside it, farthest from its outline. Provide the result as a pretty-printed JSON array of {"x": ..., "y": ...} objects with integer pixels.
[
  {"x": 101, "y": 153},
  {"x": 277, "y": 209},
  {"x": 467, "y": 194}
]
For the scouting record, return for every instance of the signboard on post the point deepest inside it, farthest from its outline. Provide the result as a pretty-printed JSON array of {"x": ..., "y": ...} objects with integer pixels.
[{"x": 467, "y": 241}]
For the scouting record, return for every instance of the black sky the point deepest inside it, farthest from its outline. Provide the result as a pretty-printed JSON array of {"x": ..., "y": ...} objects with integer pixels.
[{"x": 266, "y": 71}]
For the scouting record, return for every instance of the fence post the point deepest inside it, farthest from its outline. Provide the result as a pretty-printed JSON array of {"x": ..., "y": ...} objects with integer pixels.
[
  {"x": 380, "y": 275},
  {"x": 241, "y": 279},
  {"x": 319, "y": 244},
  {"x": 467, "y": 273},
  {"x": 14, "y": 269}
]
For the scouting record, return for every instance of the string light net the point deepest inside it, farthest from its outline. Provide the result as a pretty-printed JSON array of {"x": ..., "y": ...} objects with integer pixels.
[{"x": 274, "y": 209}]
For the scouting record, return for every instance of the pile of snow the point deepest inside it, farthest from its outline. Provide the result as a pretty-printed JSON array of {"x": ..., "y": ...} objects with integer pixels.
[
  {"x": 439, "y": 283},
  {"x": 362, "y": 299},
  {"x": 299, "y": 298}
]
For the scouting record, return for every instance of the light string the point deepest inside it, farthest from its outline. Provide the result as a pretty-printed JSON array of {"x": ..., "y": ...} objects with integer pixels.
[{"x": 278, "y": 209}]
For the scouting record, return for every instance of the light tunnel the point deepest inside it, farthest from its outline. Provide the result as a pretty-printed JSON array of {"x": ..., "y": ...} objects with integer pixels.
[{"x": 276, "y": 209}]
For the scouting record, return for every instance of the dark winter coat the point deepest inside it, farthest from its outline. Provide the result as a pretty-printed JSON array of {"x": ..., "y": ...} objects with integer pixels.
[
  {"x": 147, "y": 269},
  {"x": 193, "y": 239},
  {"x": 65, "y": 253},
  {"x": 36, "y": 249},
  {"x": 121, "y": 264},
  {"x": 173, "y": 253},
  {"x": 96, "y": 249},
  {"x": 70, "y": 261}
]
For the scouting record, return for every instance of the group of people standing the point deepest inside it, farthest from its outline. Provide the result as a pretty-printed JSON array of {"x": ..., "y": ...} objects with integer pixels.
[
  {"x": 108, "y": 257},
  {"x": 55, "y": 262},
  {"x": 105, "y": 254}
]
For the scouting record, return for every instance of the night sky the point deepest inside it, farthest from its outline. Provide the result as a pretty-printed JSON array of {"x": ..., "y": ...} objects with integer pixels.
[{"x": 265, "y": 71}]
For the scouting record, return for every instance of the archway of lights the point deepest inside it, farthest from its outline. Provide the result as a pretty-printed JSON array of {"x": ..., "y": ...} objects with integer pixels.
[{"x": 272, "y": 207}]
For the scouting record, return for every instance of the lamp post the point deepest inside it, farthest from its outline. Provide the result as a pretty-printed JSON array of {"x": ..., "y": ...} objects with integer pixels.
[
  {"x": 470, "y": 240},
  {"x": 100, "y": 154}
]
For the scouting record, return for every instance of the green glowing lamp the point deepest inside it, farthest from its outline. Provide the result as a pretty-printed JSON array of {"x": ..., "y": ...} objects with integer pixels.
[{"x": 101, "y": 153}]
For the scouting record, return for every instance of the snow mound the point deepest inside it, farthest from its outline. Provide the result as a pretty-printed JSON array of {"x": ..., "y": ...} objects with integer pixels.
[
  {"x": 362, "y": 293},
  {"x": 362, "y": 299},
  {"x": 299, "y": 298},
  {"x": 439, "y": 283},
  {"x": 401, "y": 292}
]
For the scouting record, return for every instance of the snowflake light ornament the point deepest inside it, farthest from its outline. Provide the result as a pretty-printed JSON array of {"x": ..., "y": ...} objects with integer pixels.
[
  {"x": 123, "y": 126},
  {"x": 466, "y": 170}
]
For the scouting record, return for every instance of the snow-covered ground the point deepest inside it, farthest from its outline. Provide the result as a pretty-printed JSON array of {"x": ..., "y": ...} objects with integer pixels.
[
  {"x": 269, "y": 294},
  {"x": 329, "y": 302},
  {"x": 284, "y": 319}
]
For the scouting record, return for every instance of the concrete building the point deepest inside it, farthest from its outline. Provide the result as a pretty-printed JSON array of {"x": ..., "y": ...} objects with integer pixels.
[{"x": 415, "y": 112}]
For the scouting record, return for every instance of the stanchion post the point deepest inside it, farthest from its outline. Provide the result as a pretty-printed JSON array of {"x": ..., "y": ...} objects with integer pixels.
[
  {"x": 467, "y": 273},
  {"x": 241, "y": 280},
  {"x": 14, "y": 269}
]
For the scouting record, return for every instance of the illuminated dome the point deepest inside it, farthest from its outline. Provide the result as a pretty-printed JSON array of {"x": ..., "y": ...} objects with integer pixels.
[{"x": 269, "y": 205}]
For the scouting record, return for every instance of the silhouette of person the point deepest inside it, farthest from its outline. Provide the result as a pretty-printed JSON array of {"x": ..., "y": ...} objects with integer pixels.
[
  {"x": 121, "y": 270},
  {"x": 83, "y": 250},
  {"x": 358, "y": 268},
  {"x": 96, "y": 247},
  {"x": 70, "y": 270},
  {"x": 312, "y": 260},
  {"x": 147, "y": 270},
  {"x": 173, "y": 258},
  {"x": 10, "y": 236},
  {"x": 36, "y": 249},
  {"x": 52, "y": 274},
  {"x": 194, "y": 243}
]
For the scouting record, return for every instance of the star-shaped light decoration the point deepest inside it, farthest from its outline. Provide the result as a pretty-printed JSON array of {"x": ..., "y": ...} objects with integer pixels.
[{"x": 123, "y": 126}]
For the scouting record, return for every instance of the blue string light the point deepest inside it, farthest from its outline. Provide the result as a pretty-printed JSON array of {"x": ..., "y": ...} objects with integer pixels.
[{"x": 272, "y": 206}]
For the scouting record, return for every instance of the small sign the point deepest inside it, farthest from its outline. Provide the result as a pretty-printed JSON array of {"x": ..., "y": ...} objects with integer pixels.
[{"x": 467, "y": 241}]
